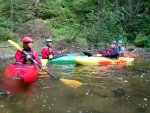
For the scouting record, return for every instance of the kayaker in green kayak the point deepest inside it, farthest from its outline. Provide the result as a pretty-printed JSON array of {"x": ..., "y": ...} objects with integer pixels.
[
  {"x": 20, "y": 57},
  {"x": 48, "y": 52},
  {"x": 112, "y": 52}
]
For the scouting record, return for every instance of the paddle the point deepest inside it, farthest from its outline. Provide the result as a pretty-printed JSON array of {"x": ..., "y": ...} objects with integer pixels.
[
  {"x": 88, "y": 54},
  {"x": 125, "y": 55},
  {"x": 64, "y": 50},
  {"x": 18, "y": 47},
  {"x": 72, "y": 83}
]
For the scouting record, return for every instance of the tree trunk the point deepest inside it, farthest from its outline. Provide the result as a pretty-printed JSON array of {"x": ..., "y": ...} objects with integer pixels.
[
  {"x": 130, "y": 9},
  {"x": 35, "y": 2}
]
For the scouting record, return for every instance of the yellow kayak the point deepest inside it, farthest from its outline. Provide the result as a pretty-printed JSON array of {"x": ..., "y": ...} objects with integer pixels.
[{"x": 102, "y": 61}]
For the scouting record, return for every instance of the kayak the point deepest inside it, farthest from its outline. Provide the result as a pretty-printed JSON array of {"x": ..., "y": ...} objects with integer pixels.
[
  {"x": 102, "y": 61},
  {"x": 17, "y": 76},
  {"x": 65, "y": 59},
  {"x": 25, "y": 72}
]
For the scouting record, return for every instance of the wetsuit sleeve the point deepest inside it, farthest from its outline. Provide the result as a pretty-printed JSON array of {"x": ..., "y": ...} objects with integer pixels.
[
  {"x": 114, "y": 54},
  {"x": 44, "y": 53},
  {"x": 54, "y": 53},
  {"x": 36, "y": 57},
  {"x": 18, "y": 56}
]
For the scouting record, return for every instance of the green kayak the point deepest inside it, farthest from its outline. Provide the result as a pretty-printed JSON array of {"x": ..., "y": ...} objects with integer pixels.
[{"x": 65, "y": 59}]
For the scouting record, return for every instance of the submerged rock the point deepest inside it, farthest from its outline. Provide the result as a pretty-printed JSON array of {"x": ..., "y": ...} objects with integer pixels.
[{"x": 119, "y": 92}]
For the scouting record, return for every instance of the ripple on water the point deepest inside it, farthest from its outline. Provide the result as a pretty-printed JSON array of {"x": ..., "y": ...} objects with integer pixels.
[{"x": 105, "y": 89}]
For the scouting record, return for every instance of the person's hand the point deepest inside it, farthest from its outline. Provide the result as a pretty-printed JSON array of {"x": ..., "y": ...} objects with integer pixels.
[
  {"x": 50, "y": 57},
  {"x": 59, "y": 52},
  {"x": 42, "y": 68},
  {"x": 28, "y": 57},
  {"x": 99, "y": 55}
]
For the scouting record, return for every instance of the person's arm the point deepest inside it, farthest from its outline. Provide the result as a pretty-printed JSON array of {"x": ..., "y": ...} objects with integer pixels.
[
  {"x": 44, "y": 53},
  {"x": 36, "y": 57},
  {"x": 113, "y": 54},
  {"x": 18, "y": 56},
  {"x": 55, "y": 53}
]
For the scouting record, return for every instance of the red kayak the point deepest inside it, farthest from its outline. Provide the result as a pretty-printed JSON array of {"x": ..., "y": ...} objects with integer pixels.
[
  {"x": 16, "y": 75},
  {"x": 27, "y": 72}
]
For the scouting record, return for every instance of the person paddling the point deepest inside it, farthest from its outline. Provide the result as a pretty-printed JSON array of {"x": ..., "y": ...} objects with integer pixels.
[
  {"x": 48, "y": 52},
  {"x": 120, "y": 48},
  {"x": 20, "y": 57},
  {"x": 112, "y": 52}
]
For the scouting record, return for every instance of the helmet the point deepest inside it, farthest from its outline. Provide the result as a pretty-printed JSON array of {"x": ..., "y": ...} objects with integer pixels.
[
  {"x": 113, "y": 42},
  {"x": 48, "y": 40},
  {"x": 27, "y": 39},
  {"x": 120, "y": 42}
]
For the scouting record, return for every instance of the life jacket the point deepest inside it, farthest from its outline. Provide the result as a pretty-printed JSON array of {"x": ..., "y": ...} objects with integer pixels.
[
  {"x": 108, "y": 51},
  {"x": 121, "y": 51},
  {"x": 24, "y": 57}
]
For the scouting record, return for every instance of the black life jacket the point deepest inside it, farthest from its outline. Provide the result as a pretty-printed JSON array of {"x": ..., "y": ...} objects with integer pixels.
[{"x": 24, "y": 57}]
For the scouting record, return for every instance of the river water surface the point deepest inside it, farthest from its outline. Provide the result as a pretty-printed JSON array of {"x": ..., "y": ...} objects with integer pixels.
[{"x": 105, "y": 89}]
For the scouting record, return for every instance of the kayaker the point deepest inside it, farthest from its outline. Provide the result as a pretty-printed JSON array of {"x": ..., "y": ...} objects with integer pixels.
[
  {"x": 31, "y": 53},
  {"x": 48, "y": 52},
  {"x": 120, "y": 48},
  {"x": 112, "y": 52}
]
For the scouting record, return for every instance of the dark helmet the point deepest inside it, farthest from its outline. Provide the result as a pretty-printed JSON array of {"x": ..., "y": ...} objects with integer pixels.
[
  {"x": 48, "y": 40},
  {"x": 113, "y": 42}
]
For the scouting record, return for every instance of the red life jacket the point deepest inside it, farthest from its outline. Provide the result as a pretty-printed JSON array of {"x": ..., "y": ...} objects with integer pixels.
[
  {"x": 45, "y": 52},
  {"x": 21, "y": 58},
  {"x": 108, "y": 51}
]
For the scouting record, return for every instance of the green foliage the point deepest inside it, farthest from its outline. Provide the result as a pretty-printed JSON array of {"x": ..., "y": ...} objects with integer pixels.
[
  {"x": 5, "y": 29},
  {"x": 142, "y": 41},
  {"x": 130, "y": 49},
  {"x": 18, "y": 12},
  {"x": 56, "y": 11},
  {"x": 141, "y": 25},
  {"x": 105, "y": 27},
  {"x": 99, "y": 22}
]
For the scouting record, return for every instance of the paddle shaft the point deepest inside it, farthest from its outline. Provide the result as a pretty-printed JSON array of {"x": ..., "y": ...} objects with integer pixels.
[
  {"x": 40, "y": 66},
  {"x": 72, "y": 83}
]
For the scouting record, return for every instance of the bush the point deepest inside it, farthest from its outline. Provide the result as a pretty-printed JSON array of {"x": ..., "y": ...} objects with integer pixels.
[
  {"x": 142, "y": 41},
  {"x": 5, "y": 29},
  {"x": 130, "y": 49}
]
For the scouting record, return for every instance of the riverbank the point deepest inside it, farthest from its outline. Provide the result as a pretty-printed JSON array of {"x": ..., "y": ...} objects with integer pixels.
[
  {"x": 136, "y": 52},
  {"x": 6, "y": 57}
]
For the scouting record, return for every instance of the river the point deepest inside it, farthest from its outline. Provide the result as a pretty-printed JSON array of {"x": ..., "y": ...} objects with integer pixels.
[{"x": 105, "y": 89}]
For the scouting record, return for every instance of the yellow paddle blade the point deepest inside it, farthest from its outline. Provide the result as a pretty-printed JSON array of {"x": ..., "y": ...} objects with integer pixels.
[
  {"x": 44, "y": 62},
  {"x": 15, "y": 44},
  {"x": 71, "y": 83},
  {"x": 64, "y": 50}
]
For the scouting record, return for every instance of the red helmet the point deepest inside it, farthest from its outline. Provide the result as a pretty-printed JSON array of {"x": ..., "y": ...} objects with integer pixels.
[{"x": 27, "y": 39}]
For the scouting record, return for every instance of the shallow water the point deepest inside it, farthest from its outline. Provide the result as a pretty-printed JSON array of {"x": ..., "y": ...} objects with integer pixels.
[{"x": 105, "y": 89}]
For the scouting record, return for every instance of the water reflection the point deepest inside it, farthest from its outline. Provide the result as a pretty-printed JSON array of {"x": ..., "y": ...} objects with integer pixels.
[{"x": 106, "y": 89}]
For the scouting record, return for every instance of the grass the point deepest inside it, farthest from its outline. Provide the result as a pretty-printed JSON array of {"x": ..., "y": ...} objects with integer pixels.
[
  {"x": 8, "y": 50},
  {"x": 147, "y": 49}
]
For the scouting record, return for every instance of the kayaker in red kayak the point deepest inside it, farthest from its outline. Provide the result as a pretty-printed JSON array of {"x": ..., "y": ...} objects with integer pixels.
[
  {"x": 112, "y": 52},
  {"x": 31, "y": 53},
  {"x": 120, "y": 48},
  {"x": 48, "y": 51}
]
